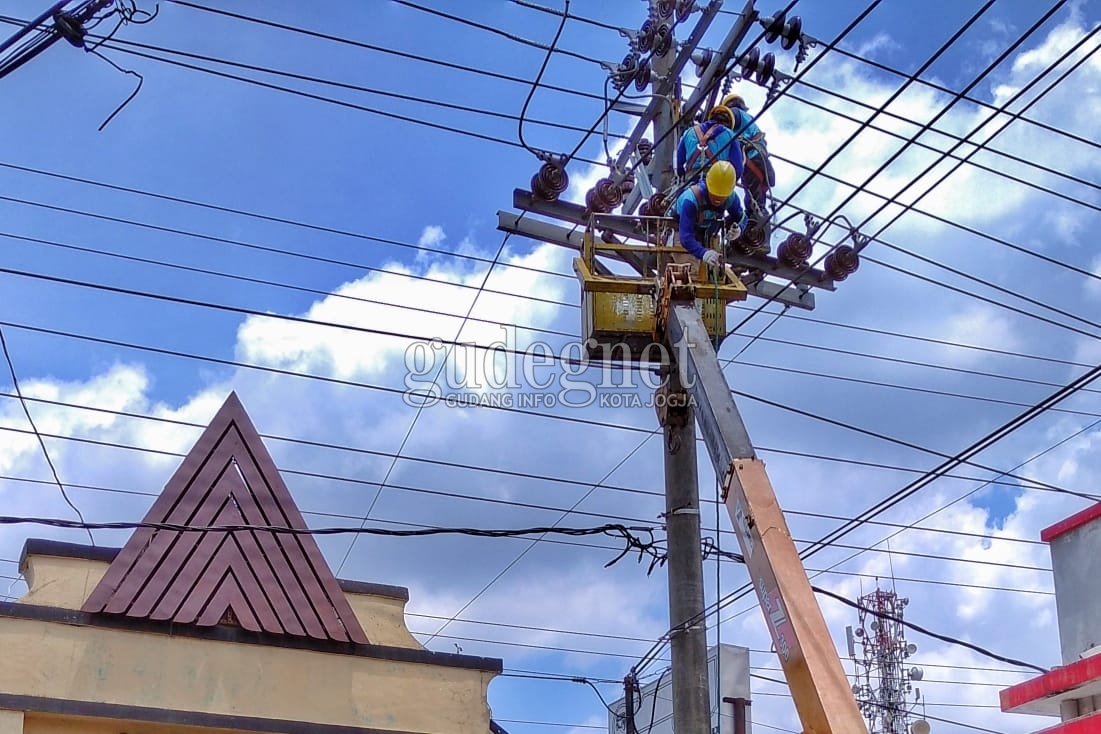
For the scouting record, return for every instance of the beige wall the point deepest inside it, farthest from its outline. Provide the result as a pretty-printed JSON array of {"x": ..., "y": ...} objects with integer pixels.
[
  {"x": 11, "y": 722},
  {"x": 59, "y": 581},
  {"x": 184, "y": 673}
]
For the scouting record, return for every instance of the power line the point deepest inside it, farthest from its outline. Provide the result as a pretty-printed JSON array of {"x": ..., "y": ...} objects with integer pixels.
[
  {"x": 880, "y": 436},
  {"x": 924, "y": 127},
  {"x": 542, "y": 477},
  {"x": 512, "y": 37},
  {"x": 973, "y": 100},
  {"x": 37, "y": 434},
  {"x": 929, "y": 633},
  {"x": 631, "y": 541},
  {"x": 378, "y": 49},
  {"x": 316, "y": 291},
  {"x": 421, "y": 406}
]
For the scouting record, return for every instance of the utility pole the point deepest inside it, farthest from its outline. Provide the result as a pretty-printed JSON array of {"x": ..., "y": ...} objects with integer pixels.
[{"x": 688, "y": 639}]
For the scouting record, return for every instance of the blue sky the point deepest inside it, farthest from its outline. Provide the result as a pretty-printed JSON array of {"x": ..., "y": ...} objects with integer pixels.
[{"x": 354, "y": 169}]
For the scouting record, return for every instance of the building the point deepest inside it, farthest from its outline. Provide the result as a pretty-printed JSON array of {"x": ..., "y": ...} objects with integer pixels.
[
  {"x": 221, "y": 632},
  {"x": 1071, "y": 692}
]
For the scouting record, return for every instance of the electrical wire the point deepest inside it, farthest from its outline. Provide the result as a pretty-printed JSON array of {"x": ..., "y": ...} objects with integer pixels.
[
  {"x": 497, "y": 31},
  {"x": 378, "y": 49},
  {"x": 538, "y": 77},
  {"x": 38, "y": 434},
  {"x": 924, "y": 127},
  {"x": 496, "y": 471},
  {"x": 422, "y": 404}
]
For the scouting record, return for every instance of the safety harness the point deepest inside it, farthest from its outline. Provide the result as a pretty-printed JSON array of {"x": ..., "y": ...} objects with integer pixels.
[{"x": 703, "y": 146}]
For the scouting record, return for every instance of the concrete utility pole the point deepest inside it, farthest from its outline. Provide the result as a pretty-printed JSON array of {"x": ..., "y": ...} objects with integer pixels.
[{"x": 688, "y": 641}]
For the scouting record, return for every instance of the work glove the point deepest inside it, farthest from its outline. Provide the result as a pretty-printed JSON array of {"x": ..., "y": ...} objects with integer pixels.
[
  {"x": 712, "y": 258},
  {"x": 733, "y": 233}
]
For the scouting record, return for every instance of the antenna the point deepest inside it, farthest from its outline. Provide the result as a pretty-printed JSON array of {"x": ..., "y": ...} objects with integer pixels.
[{"x": 883, "y": 679}]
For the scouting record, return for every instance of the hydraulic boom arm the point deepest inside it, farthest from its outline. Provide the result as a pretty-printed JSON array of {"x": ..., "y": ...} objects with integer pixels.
[{"x": 822, "y": 695}]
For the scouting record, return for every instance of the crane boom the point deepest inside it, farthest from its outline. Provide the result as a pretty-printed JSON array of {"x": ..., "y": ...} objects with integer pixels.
[{"x": 823, "y": 698}]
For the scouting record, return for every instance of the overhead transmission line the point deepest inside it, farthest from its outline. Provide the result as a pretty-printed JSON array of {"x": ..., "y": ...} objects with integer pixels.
[
  {"x": 1080, "y": 270},
  {"x": 628, "y": 534},
  {"x": 466, "y": 318},
  {"x": 423, "y": 248},
  {"x": 709, "y": 548},
  {"x": 969, "y": 493},
  {"x": 505, "y": 472},
  {"x": 516, "y": 559},
  {"x": 833, "y": 536},
  {"x": 553, "y": 332},
  {"x": 34, "y": 428},
  {"x": 924, "y": 127},
  {"x": 551, "y": 49},
  {"x": 378, "y": 49},
  {"x": 347, "y": 327},
  {"x": 525, "y": 296},
  {"x": 932, "y": 84},
  {"x": 455, "y": 465},
  {"x": 571, "y": 335}
]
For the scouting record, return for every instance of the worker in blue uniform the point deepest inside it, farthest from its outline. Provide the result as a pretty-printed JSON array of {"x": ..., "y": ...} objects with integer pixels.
[
  {"x": 705, "y": 208},
  {"x": 759, "y": 175},
  {"x": 709, "y": 141}
]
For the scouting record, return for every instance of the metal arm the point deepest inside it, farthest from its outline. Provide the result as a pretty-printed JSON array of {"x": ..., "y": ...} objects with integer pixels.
[{"x": 819, "y": 688}]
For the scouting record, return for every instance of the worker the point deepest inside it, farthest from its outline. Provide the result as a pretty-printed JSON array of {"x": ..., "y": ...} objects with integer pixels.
[
  {"x": 709, "y": 141},
  {"x": 704, "y": 208},
  {"x": 758, "y": 176}
]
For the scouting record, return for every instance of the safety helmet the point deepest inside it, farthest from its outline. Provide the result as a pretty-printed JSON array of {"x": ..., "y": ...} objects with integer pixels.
[
  {"x": 734, "y": 100},
  {"x": 721, "y": 115},
  {"x": 721, "y": 179}
]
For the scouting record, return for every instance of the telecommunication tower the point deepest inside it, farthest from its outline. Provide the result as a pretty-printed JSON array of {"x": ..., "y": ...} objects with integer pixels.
[{"x": 884, "y": 685}]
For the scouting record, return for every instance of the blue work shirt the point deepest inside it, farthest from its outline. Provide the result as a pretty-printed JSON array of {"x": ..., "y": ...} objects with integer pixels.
[
  {"x": 689, "y": 211},
  {"x": 722, "y": 146},
  {"x": 746, "y": 129}
]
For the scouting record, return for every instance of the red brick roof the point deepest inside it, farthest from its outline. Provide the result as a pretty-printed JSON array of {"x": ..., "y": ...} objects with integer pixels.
[{"x": 262, "y": 581}]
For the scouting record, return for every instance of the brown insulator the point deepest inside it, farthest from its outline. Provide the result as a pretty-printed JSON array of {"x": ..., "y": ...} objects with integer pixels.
[
  {"x": 795, "y": 250},
  {"x": 549, "y": 181},
  {"x": 774, "y": 27},
  {"x": 625, "y": 72},
  {"x": 793, "y": 32},
  {"x": 608, "y": 194},
  {"x": 684, "y": 9},
  {"x": 842, "y": 262},
  {"x": 658, "y": 204},
  {"x": 644, "y": 209},
  {"x": 768, "y": 66},
  {"x": 753, "y": 236},
  {"x": 642, "y": 76},
  {"x": 593, "y": 204},
  {"x": 645, "y": 151},
  {"x": 644, "y": 41},
  {"x": 663, "y": 40},
  {"x": 750, "y": 61},
  {"x": 665, "y": 8},
  {"x": 627, "y": 185}
]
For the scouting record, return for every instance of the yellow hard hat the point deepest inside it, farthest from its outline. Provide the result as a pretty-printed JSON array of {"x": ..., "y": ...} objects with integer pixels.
[
  {"x": 734, "y": 100},
  {"x": 721, "y": 115},
  {"x": 721, "y": 178}
]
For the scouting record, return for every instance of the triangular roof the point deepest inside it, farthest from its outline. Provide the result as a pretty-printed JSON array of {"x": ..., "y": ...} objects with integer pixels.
[{"x": 263, "y": 581}]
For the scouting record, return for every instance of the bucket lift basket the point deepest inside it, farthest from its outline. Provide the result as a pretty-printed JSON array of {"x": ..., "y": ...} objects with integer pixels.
[{"x": 619, "y": 312}]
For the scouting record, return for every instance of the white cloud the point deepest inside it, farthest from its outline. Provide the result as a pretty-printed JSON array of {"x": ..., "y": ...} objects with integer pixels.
[
  {"x": 981, "y": 326},
  {"x": 431, "y": 236}
]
